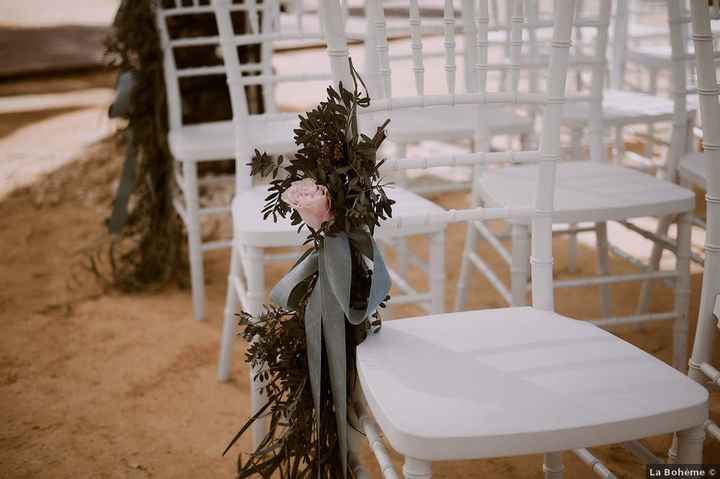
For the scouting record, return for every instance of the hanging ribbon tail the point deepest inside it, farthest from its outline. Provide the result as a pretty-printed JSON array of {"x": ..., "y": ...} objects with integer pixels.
[
  {"x": 313, "y": 337},
  {"x": 119, "y": 216},
  {"x": 288, "y": 292},
  {"x": 379, "y": 287},
  {"x": 333, "y": 328},
  {"x": 338, "y": 268}
]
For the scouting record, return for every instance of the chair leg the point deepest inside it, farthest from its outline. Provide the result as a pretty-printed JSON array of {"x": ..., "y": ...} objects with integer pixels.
[
  {"x": 619, "y": 146},
  {"x": 192, "y": 205},
  {"x": 572, "y": 252},
  {"x": 436, "y": 273},
  {"x": 416, "y": 469},
  {"x": 229, "y": 322},
  {"x": 673, "y": 451},
  {"x": 465, "y": 267},
  {"x": 690, "y": 445},
  {"x": 682, "y": 294},
  {"x": 255, "y": 277},
  {"x": 520, "y": 263},
  {"x": 576, "y": 143},
  {"x": 401, "y": 243},
  {"x": 654, "y": 265},
  {"x": 553, "y": 466},
  {"x": 603, "y": 261}
]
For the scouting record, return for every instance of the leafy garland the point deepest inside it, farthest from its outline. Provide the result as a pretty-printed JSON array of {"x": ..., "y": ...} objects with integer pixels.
[
  {"x": 303, "y": 439},
  {"x": 149, "y": 247}
]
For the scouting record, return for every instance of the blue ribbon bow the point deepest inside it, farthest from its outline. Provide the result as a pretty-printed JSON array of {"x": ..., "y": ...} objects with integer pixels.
[{"x": 325, "y": 314}]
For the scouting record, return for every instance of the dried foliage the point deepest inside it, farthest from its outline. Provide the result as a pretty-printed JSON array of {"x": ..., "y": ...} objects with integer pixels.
[
  {"x": 299, "y": 443},
  {"x": 336, "y": 155},
  {"x": 303, "y": 441},
  {"x": 150, "y": 248}
]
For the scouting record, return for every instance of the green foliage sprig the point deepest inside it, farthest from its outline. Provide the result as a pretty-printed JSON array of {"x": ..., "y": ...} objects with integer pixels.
[
  {"x": 336, "y": 155},
  {"x": 294, "y": 447},
  {"x": 302, "y": 441}
]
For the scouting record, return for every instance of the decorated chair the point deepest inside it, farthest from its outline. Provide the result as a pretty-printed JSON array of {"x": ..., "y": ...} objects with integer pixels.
[
  {"x": 595, "y": 192},
  {"x": 192, "y": 144},
  {"x": 520, "y": 380},
  {"x": 254, "y": 236}
]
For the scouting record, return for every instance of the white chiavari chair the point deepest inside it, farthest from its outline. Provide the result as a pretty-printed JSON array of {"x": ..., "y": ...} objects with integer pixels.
[
  {"x": 210, "y": 141},
  {"x": 254, "y": 237},
  {"x": 214, "y": 141},
  {"x": 521, "y": 380},
  {"x": 700, "y": 369},
  {"x": 422, "y": 45},
  {"x": 593, "y": 192}
]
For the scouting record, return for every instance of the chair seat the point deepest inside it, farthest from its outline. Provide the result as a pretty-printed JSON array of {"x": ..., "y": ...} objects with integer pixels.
[
  {"x": 692, "y": 169},
  {"x": 589, "y": 191},
  {"x": 216, "y": 140},
  {"x": 447, "y": 123},
  {"x": 513, "y": 381},
  {"x": 251, "y": 229},
  {"x": 621, "y": 108}
]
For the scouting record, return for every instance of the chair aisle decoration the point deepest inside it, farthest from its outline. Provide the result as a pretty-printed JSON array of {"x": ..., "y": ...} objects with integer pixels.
[
  {"x": 254, "y": 237},
  {"x": 332, "y": 187}
]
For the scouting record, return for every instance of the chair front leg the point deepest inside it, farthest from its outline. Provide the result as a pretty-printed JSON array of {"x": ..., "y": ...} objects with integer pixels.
[
  {"x": 603, "y": 263},
  {"x": 654, "y": 264},
  {"x": 230, "y": 320},
  {"x": 254, "y": 266},
  {"x": 195, "y": 252},
  {"x": 553, "y": 466},
  {"x": 682, "y": 294},
  {"x": 463, "y": 282},
  {"x": 690, "y": 445},
  {"x": 436, "y": 272},
  {"x": 520, "y": 263},
  {"x": 416, "y": 469}
]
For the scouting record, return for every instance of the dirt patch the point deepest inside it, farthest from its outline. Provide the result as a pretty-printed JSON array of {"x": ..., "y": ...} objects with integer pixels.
[{"x": 94, "y": 384}]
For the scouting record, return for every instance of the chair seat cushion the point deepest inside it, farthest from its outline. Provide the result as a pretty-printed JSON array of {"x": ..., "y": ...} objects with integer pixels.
[
  {"x": 216, "y": 140},
  {"x": 513, "y": 381},
  {"x": 588, "y": 191},
  {"x": 250, "y": 228},
  {"x": 274, "y": 134},
  {"x": 692, "y": 169},
  {"x": 625, "y": 108}
]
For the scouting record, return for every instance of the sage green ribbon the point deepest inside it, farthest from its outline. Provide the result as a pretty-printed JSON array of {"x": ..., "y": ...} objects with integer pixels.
[{"x": 325, "y": 314}]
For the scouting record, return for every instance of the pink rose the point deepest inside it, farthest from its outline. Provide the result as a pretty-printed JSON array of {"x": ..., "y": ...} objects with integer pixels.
[{"x": 310, "y": 200}]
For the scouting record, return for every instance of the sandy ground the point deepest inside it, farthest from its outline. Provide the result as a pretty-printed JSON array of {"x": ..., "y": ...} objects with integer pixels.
[{"x": 94, "y": 384}]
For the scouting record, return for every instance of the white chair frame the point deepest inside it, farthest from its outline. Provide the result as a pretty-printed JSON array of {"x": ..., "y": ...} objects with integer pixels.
[
  {"x": 516, "y": 293},
  {"x": 193, "y": 144},
  {"x": 419, "y": 467},
  {"x": 700, "y": 368}
]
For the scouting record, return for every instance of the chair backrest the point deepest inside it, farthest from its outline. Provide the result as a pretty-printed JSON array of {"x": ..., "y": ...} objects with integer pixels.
[
  {"x": 405, "y": 46},
  {"x": 169, "y": 14},
  {"x": 678, "y": 20},
  {"x": 710, "y": 113},
  {"x": 264, "y": 34},
  {"x": 551, "y": 100}
]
